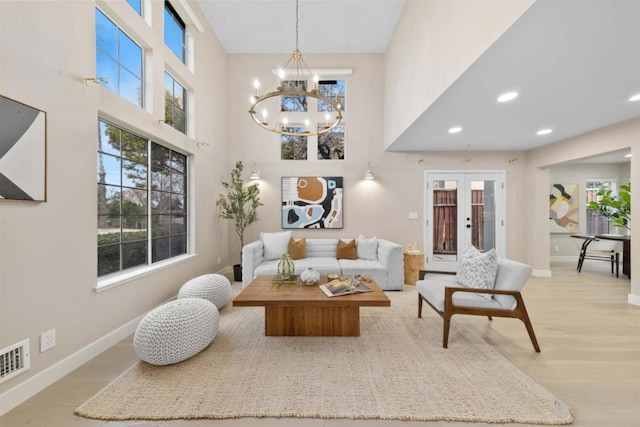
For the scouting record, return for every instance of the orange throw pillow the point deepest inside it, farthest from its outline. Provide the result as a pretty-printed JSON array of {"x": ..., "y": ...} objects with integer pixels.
[
  {"x": 346, "y": 250},
  {"x": 298, "y": 249}
]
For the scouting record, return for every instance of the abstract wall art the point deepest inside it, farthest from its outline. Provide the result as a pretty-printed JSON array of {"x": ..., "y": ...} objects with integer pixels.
[
  {"x": 22, "y": 151},
  {"x": 563, "y": 208},
  {"x": 312, "y": 202}
]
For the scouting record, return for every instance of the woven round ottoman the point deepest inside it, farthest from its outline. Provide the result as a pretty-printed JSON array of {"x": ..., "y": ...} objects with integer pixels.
[
  {"x": 176, "y": 331},
  {"x": 213, "y": 287}
]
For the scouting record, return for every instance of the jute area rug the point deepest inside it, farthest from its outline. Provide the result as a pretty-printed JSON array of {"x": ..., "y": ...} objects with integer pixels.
[{"x": 396, "y": 369}]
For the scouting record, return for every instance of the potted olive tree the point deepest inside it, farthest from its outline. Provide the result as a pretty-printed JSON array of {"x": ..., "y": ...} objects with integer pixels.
[
  {"x": 239, "y": 203},
  {"x": 616, "y": 208}
]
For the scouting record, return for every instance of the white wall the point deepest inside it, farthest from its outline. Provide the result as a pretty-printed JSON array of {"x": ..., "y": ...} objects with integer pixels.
[
  {"x": 379, "y": 207},
  {"x": 434, "y": 42},
  {"x": 49, "y": 255},
  {"x": 621, "y": 136}
]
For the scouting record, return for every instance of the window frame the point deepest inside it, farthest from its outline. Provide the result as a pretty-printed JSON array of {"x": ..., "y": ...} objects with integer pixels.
[
  {"x": 177, "y": 19},
  {"x": 118, "y": 61},
  {"x": 124, "y": 275},
  {"x": 186, "y": 97},
  {"x": 592, "y": 216}
]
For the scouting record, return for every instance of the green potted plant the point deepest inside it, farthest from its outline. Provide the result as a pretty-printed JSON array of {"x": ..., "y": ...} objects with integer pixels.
[
  {"x": 239, "y": 203},
  {"x": 616, "y": 208}
]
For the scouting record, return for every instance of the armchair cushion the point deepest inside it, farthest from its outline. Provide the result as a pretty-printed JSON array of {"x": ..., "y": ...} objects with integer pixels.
[
  {"x": 477, "y": 269},
  {"x": 432, "y": 287}
]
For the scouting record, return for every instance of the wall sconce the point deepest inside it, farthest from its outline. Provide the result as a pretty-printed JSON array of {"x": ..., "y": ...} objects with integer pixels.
[
  {"x": 368, "y": 174},
  {"x": 255, "y": 173},
  {"x": 96, "y": 80}
]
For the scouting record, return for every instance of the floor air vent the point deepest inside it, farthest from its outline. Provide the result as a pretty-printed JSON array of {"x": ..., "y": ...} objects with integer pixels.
[{"x": 14, "y": 360}]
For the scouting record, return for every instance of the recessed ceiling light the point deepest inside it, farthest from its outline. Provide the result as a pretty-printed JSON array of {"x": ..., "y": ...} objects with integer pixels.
[
  {"x": 507, "y": 96},
  {"x": 635, "y": 97},
  {"x": 455, "y": 129},
  {"x": 544, "y": 132},
  {"x": 628, "y": 155}
]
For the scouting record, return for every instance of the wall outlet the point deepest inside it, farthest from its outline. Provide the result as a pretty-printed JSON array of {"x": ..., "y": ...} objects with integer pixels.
[
  {"x": 219, "y": 260},
  {"x": 413, "y": 215},
  {"x": 556, "y": 248},
  {"x": 47, "y": 340}
]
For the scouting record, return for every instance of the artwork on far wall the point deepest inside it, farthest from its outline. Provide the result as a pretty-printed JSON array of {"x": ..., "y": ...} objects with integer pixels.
[
  {"x": 312, "y": 202},
  {"x": 563, "y": 208},
  {"x": 22, "y": 151}
]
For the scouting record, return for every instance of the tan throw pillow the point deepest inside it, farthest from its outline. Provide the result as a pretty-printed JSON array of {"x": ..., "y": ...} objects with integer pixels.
[
  {"x": 298, "y": 249},
  {"x": 346, "y": 250}
]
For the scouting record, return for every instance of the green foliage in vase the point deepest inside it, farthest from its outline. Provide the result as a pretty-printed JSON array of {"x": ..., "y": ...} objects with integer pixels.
[
  {"x": 616, "y": 208},
  {"x": 239, "y": 203}
]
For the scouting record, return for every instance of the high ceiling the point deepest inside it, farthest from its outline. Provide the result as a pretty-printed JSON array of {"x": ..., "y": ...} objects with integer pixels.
[
  {"x": 325, "y": 26},
  {"x": 574, "y": 63}
]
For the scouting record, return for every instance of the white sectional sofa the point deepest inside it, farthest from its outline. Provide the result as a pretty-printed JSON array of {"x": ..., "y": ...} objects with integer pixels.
[{"x": 387, "y": 270}]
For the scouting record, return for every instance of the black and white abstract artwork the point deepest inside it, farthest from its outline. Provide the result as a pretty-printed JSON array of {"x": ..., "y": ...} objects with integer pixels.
[{"x": 22, "y": 151}]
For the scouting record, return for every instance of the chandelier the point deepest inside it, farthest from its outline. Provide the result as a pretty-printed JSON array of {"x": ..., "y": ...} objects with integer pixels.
[{"x": 273, "y": 116}]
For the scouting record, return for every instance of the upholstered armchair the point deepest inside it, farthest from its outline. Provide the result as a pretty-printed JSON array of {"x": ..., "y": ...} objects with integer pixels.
[{"x": 447, "y": 297}]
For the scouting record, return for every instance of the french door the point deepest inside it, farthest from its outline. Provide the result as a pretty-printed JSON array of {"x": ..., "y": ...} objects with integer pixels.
[{"x": 463, "y": 208}]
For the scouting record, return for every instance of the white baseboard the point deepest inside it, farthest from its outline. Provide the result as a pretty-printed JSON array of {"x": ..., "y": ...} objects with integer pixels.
[
  {"x": 633, "y": 299},
  {"x": 21, "y": 392},
  {"x": 541, "y": 273},
  {"x": 572, "y": 259}
]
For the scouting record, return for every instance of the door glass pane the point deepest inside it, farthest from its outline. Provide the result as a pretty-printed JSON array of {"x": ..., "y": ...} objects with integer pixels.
[
  {"x": 483, "y": 215},
  {"x": 445, "y": 220}
]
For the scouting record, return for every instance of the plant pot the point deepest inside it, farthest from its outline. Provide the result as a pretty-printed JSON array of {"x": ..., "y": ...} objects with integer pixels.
[{"x": 237, "y": 272}]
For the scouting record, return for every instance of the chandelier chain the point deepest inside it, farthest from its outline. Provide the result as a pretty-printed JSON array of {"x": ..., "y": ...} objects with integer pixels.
[{"x": 297, "y": 19}]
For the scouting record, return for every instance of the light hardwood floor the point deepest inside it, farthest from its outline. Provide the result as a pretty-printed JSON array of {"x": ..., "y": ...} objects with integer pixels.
[{"x": 589, "y": 335}]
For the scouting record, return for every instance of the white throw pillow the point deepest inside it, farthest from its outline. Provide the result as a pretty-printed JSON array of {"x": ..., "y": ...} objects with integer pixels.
[
  {"x": 275, "y": 244},
  {"x": 367, "y": 248},
  {"x": 477, "y": 269}
]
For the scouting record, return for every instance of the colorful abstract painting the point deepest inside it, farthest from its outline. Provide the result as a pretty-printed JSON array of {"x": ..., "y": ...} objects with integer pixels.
[
  {"x": 563, "y": 208},
  {"x": 312, "y": 202}
]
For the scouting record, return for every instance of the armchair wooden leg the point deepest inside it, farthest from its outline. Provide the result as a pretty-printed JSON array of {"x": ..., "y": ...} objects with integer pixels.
[
  {"x": 445, "y": 329},
  {"x": 419, "y": 306},
  {"x": 490, "y": 317},
  {"x": 532, "y": 335}
]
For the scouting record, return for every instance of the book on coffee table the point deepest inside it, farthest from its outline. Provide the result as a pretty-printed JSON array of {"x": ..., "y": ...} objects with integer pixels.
[
  {"x": 278, "y": 279},
  {"x": 339, "y": 287}
]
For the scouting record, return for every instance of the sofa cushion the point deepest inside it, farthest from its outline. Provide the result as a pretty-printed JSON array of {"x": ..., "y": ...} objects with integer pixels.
[
  {"x": 432, "y": 288},
  {"x": 367, "y": 248},
  {"x": 478, "y": 270},
  {"x": 275, "y": 244},
  {"x": 346, "y": 250},
  {"x": 298, "y": 248},
  {"x": 323, "y": 265}
]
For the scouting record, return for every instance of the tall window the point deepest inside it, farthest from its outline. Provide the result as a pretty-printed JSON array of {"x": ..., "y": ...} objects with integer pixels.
[
  {"x": 131, "y": 171},
  {"x": 136, "y": 5},
  {"x": 299, "y": 109},
  {"x": 174, "y": 31},
  {"x": 175, "y": 98},
  {"x": 597, "y": 223},
  {"x": 118, "y": 60}
]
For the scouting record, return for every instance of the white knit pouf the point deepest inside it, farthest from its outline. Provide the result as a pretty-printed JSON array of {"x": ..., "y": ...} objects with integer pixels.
[
  {"x": 176, "y": 331},
  {"x": 213, "y": 287}
]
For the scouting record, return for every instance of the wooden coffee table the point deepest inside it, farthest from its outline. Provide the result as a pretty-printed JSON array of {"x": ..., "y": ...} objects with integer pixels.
[{"x": 306, "y": 311}]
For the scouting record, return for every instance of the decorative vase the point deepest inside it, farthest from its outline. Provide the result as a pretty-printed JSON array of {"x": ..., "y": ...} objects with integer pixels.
[
  {"x": 285, "y": 266},
  {"x": 310, "y": 276}
]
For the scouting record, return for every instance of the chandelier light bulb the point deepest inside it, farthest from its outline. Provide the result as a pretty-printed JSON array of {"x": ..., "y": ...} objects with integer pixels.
[
  {"x": 252, "y": 99},
  {"x": 264, "y": 114},
  {"x": 295, "y": 69},
  {"x": 256, "y": 84}
]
